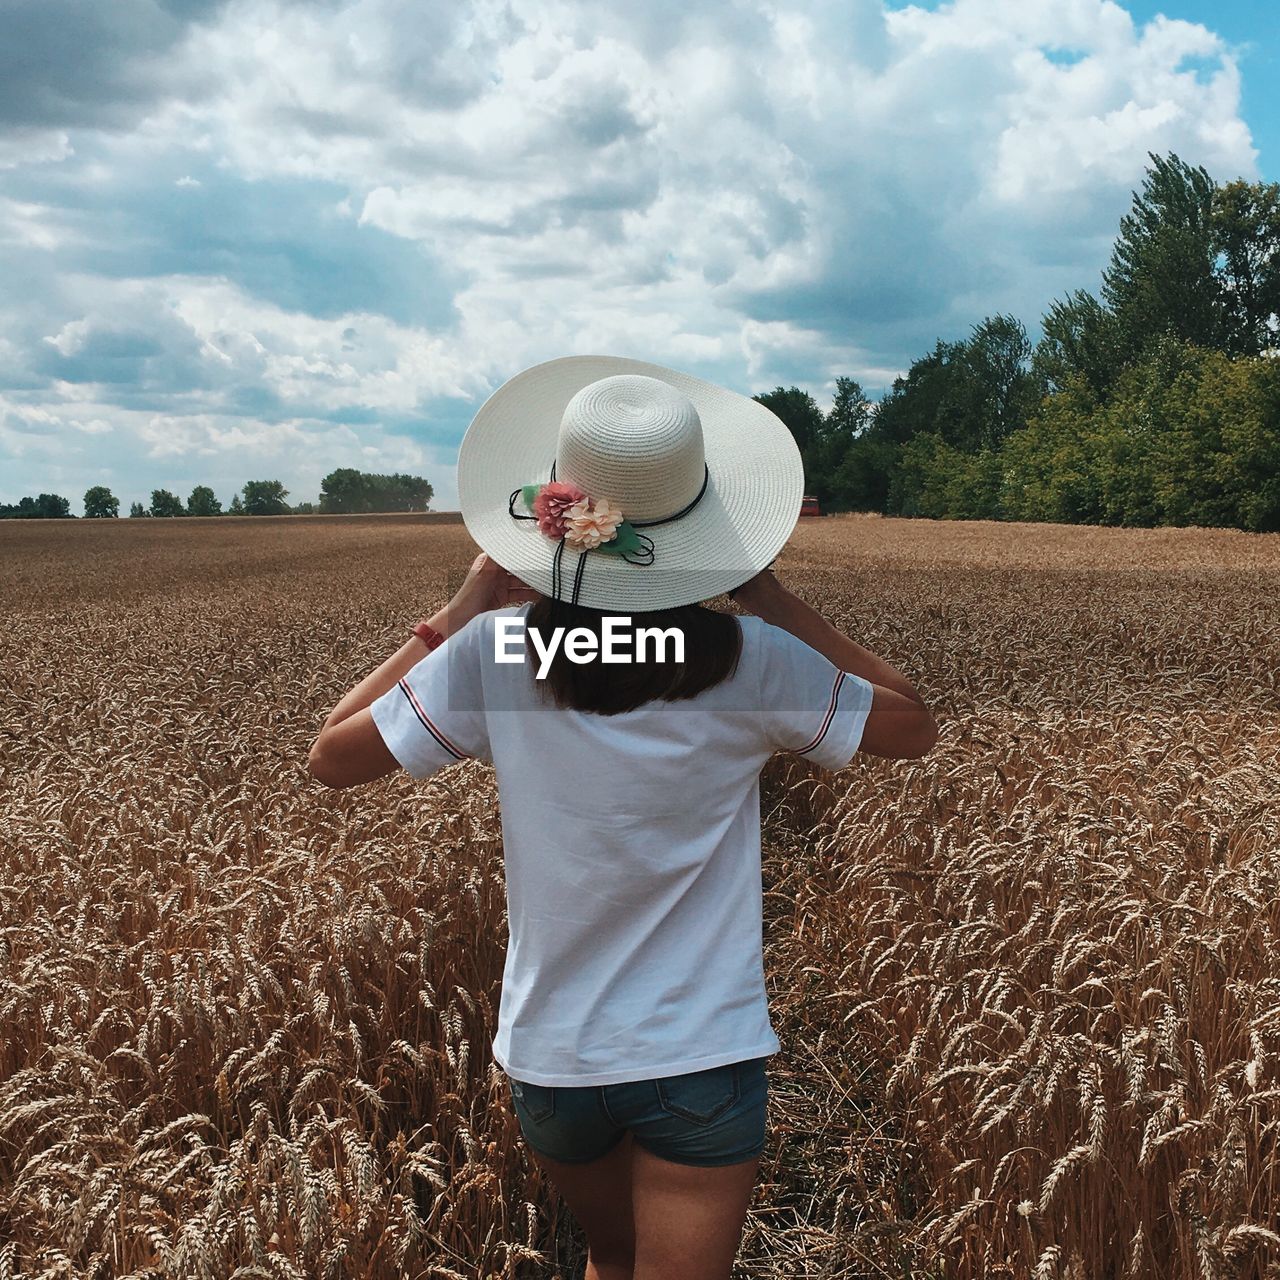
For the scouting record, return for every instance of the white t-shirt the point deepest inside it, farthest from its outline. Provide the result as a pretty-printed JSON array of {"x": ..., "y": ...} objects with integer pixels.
[{"x": 631, "y": 845}]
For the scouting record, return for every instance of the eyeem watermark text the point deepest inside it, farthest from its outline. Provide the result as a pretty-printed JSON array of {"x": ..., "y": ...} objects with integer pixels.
[{"x": 618, "y": 641}]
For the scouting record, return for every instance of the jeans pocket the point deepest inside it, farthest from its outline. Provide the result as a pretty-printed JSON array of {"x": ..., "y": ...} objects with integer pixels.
[
  {"x": 538, "y": 1101},
  {"x": 700, "y": 1096}
]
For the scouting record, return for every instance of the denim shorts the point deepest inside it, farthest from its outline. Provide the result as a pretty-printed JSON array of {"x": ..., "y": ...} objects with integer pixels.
[{"x": 710, "y": 1117}]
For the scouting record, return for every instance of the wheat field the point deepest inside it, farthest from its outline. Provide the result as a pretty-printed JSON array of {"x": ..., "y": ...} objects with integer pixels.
[{"x": 1028, "y": 987}]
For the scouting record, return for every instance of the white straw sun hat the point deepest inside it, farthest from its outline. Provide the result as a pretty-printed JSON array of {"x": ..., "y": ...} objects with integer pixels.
[{"x": 707, "y": 483}]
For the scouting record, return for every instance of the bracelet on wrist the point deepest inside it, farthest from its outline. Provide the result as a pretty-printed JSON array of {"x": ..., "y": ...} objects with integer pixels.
[{"x": 428, "y": 635}]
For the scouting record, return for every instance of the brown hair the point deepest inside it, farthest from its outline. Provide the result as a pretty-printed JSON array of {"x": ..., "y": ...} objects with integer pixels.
[{"x": 712, "y": 645}]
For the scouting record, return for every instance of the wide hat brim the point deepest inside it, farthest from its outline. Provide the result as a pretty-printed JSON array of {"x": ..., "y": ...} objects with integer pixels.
[{"x": 745, "y": 516}]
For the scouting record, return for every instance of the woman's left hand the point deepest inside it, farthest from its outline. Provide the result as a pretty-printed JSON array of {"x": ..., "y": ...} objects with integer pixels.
[{"x": 487, "y": 586}]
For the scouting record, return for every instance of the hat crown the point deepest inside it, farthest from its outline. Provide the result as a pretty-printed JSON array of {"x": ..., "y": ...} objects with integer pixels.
[{"x": 635, "y": 440}]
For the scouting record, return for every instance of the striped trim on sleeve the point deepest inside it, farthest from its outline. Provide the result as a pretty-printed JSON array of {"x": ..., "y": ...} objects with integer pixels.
[
  {"x": 830, "y": 716},
  {"x": 429, "y": 725}
]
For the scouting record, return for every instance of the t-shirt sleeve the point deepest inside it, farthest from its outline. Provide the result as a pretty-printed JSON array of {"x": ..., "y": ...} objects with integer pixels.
[
  {"x": 435, "y": 715},
  {"x": 809, "y": 706}
]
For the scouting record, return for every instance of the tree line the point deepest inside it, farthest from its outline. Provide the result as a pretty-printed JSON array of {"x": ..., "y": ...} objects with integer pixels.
[
  {"x": 342, "y": 491},
  {"x": 1155, "y": 403}
]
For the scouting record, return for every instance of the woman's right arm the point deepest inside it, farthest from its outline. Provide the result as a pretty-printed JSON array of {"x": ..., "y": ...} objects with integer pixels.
[{"x": 899, "y": 724}]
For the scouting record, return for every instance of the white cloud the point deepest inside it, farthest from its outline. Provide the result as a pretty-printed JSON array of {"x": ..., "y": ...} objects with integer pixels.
[
  {"x": 579, "y": 151},
  {"x": 32, "y": 225},
  {"x": 351, "y": 361},
  {"x": 33, "y": 146}
]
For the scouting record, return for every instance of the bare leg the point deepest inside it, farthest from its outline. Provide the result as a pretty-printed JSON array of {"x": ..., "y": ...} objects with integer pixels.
[
  {"x": 599, "y": 1197},
  {"x": 688, "y": 1219}
]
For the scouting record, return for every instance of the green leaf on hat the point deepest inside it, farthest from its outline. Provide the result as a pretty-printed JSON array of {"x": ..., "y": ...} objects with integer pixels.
[
  {"x": 625, "y": 539},
  {"x": 529, "y": 492}
]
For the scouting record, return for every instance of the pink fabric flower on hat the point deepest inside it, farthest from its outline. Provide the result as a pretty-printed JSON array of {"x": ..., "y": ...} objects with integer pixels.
[
  {"x": 589, "y": 523},
  {"x": 551, "y": 505}
]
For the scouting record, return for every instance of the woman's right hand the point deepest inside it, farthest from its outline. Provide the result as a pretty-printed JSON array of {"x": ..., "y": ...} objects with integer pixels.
[{"x": 487, "y": 586}]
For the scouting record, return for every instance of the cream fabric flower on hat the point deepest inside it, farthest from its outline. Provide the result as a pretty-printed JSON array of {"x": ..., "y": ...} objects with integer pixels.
[{"x": 589, "y": 522}]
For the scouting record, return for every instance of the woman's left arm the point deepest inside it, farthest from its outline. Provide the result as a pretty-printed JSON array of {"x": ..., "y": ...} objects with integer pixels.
[{"x": 349, "y": 749}]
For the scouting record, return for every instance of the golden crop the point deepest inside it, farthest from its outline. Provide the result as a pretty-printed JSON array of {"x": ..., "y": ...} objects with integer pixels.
[{"x": 1028, "y": 987}]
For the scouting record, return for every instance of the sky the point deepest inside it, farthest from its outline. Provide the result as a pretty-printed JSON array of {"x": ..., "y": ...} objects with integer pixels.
[{"x": 261, "y": 239}]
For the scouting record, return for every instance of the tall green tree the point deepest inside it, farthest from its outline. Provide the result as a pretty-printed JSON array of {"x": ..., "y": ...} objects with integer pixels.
[
  {"x": 845, "y": 423},
  {"x": 1162, "y": 278},
  {"x": 52, "y": 506},
  {"x": 969, "y": 396},
  {"x": 1246, "y": 224},
  {"x": 1079, "y": 340},
  {"x": 265, "y": 498},
  {"x": 236, "y": 507},
  {"x": 863, "y": 477},
  {"x": 803, "y": 417},
  {"x": 343, "y": 491},
  {"x": 401, "y": 492},
  {"x": 914, "y": 402},
  {"x": 851, "y": 411},
  {"x": 137, "y": 510},
  {"x": 799, "y": 411},
  {"x": 164, "y": 503},
  {"x": 203, "y": 502},
  {"x": 100, "y": 503},
  {"x": 1005, "y": 390}
]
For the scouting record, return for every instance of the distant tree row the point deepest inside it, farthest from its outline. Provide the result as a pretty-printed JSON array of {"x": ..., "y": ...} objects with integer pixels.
[
  {"x": 343, "y": 490},
  {"x": 257, "y": 498},
  {"x": 48, "y": 506},
  {"x": 1156, "y": 403}
]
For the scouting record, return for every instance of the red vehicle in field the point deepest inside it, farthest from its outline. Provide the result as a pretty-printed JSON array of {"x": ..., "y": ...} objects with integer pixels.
[{"x": 809, "y": 506}]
